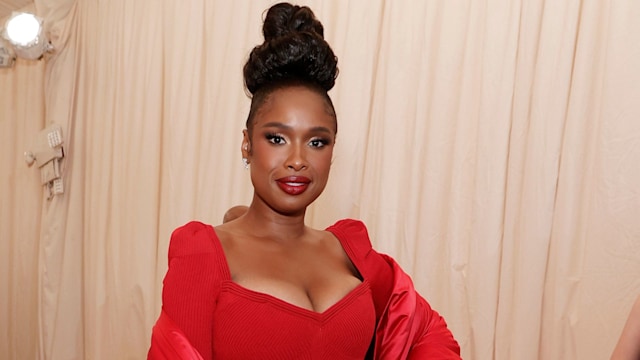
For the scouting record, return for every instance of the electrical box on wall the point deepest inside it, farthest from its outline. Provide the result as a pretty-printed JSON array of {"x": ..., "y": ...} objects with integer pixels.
[{"x": 47, "y": 154}]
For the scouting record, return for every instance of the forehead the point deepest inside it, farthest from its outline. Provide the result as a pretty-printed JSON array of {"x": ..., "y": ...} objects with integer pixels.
[{"x": 295, "y": 105}]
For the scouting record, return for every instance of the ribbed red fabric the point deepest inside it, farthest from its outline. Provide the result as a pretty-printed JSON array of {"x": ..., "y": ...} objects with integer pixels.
[
  {"x": 223, "y": 320},
  {"x": 215, "y": 313},
  {"x": 192, "y": 283},
  {"x": 252, "y": 325}
]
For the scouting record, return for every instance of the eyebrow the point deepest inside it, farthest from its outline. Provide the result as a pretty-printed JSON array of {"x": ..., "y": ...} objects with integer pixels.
[{"x": 287, "y": 127}]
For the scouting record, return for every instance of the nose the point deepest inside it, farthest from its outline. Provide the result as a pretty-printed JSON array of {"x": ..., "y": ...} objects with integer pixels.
[{"x": 297, "y": 158}]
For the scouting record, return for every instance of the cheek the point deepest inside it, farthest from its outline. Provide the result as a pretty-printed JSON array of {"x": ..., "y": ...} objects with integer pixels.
[
  {"x": 264, "y": 156},
  {"x": 323, "y": 162}
]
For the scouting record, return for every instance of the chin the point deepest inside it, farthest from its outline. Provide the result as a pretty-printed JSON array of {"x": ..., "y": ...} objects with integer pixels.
[
  {"x": 297, "y": 208},
  {"x": 288, "y": 211}
]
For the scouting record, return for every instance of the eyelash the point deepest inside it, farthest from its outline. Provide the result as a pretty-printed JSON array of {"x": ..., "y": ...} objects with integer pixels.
[
  {"x": 321, "y": 142},
  {"x": 315, "y": 143},
  {"x": 271, "y": 137}
]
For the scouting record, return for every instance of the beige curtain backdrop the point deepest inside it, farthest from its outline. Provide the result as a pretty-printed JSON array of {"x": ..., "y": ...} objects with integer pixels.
[{"x": 492, "y": 147}]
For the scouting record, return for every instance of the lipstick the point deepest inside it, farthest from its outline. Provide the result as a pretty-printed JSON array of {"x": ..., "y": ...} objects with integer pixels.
[{"x": 293, "y": 185}]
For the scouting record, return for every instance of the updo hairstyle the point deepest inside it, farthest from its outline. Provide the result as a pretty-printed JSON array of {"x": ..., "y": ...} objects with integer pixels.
[{"x": 294, "y": 53}]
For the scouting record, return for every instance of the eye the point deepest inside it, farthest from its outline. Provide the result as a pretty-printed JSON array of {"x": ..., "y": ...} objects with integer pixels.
[
  {"x": 275, "y": 139},
  {"x": 318, "y": 143}
]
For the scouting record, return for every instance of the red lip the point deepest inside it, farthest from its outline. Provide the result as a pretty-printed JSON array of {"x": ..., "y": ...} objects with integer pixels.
[{"x": 293, "y": 185}]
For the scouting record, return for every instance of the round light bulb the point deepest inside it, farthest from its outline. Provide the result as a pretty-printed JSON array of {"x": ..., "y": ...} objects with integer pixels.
[{"x": 23, "y": 28}]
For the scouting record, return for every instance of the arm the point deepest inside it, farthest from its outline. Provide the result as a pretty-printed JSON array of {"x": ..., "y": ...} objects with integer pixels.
[
  {"x": 189, "y": 288},
  {"x": 168, "y": 342},
  {"x": 409, "y": 328},
  {"x": 435, "y": 340},
  {"x": 628, "y": 347}
]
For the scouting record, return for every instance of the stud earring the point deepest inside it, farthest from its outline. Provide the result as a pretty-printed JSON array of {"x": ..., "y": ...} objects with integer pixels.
[{"x": 245, "y": 162}]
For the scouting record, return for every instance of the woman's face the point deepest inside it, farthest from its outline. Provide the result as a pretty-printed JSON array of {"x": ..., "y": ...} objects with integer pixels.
[{"x": 290, "y": 149}]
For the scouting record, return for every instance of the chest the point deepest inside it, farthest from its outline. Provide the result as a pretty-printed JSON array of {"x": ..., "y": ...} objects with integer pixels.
[
  {"x": 253, "y": 325},
  {"x": 312, "y": 277}
]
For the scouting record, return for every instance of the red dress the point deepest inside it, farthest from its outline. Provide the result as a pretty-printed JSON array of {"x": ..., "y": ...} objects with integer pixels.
[{"x": 222, "y": 320}]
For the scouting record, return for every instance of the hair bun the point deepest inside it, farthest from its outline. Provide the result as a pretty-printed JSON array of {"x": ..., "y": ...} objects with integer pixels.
[
  {"x": 294, "y": 50},
  {"x": 283, "y": 19}
]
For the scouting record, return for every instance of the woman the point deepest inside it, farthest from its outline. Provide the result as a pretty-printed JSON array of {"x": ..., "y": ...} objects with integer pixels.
[
  {"x": 265, "y": 285},
  {"x": 628, "y": 346}
]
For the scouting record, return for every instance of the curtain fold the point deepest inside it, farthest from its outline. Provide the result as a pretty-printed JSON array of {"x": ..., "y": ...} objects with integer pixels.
[
  {"x": 21, "y": 118},
  {"x": 491, "y": 148}
]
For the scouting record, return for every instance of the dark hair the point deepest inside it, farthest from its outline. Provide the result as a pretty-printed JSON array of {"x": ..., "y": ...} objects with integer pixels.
[{"x": 294, "y": 52}]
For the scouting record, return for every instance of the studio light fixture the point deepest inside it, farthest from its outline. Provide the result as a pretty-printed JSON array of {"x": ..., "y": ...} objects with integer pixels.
[{"x": 25, "y": 33}]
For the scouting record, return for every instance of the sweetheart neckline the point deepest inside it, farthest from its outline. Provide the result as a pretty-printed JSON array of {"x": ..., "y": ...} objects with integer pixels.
[
  {"x": 254, "y": 295},
  {"x": 229, "y": 280}
]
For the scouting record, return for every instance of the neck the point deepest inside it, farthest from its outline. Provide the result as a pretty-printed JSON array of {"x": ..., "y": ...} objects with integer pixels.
[{"x": 264, "y": 221}]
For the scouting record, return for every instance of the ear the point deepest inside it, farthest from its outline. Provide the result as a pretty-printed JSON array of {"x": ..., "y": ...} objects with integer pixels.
[{"x": 246, "y": 144}]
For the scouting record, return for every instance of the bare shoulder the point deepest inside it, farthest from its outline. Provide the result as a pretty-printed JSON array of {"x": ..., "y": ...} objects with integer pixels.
[
  {"x": 335, "y": 248},
  {"x": 324, "y": 238},
  {"x": 227, "y": 232}
]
